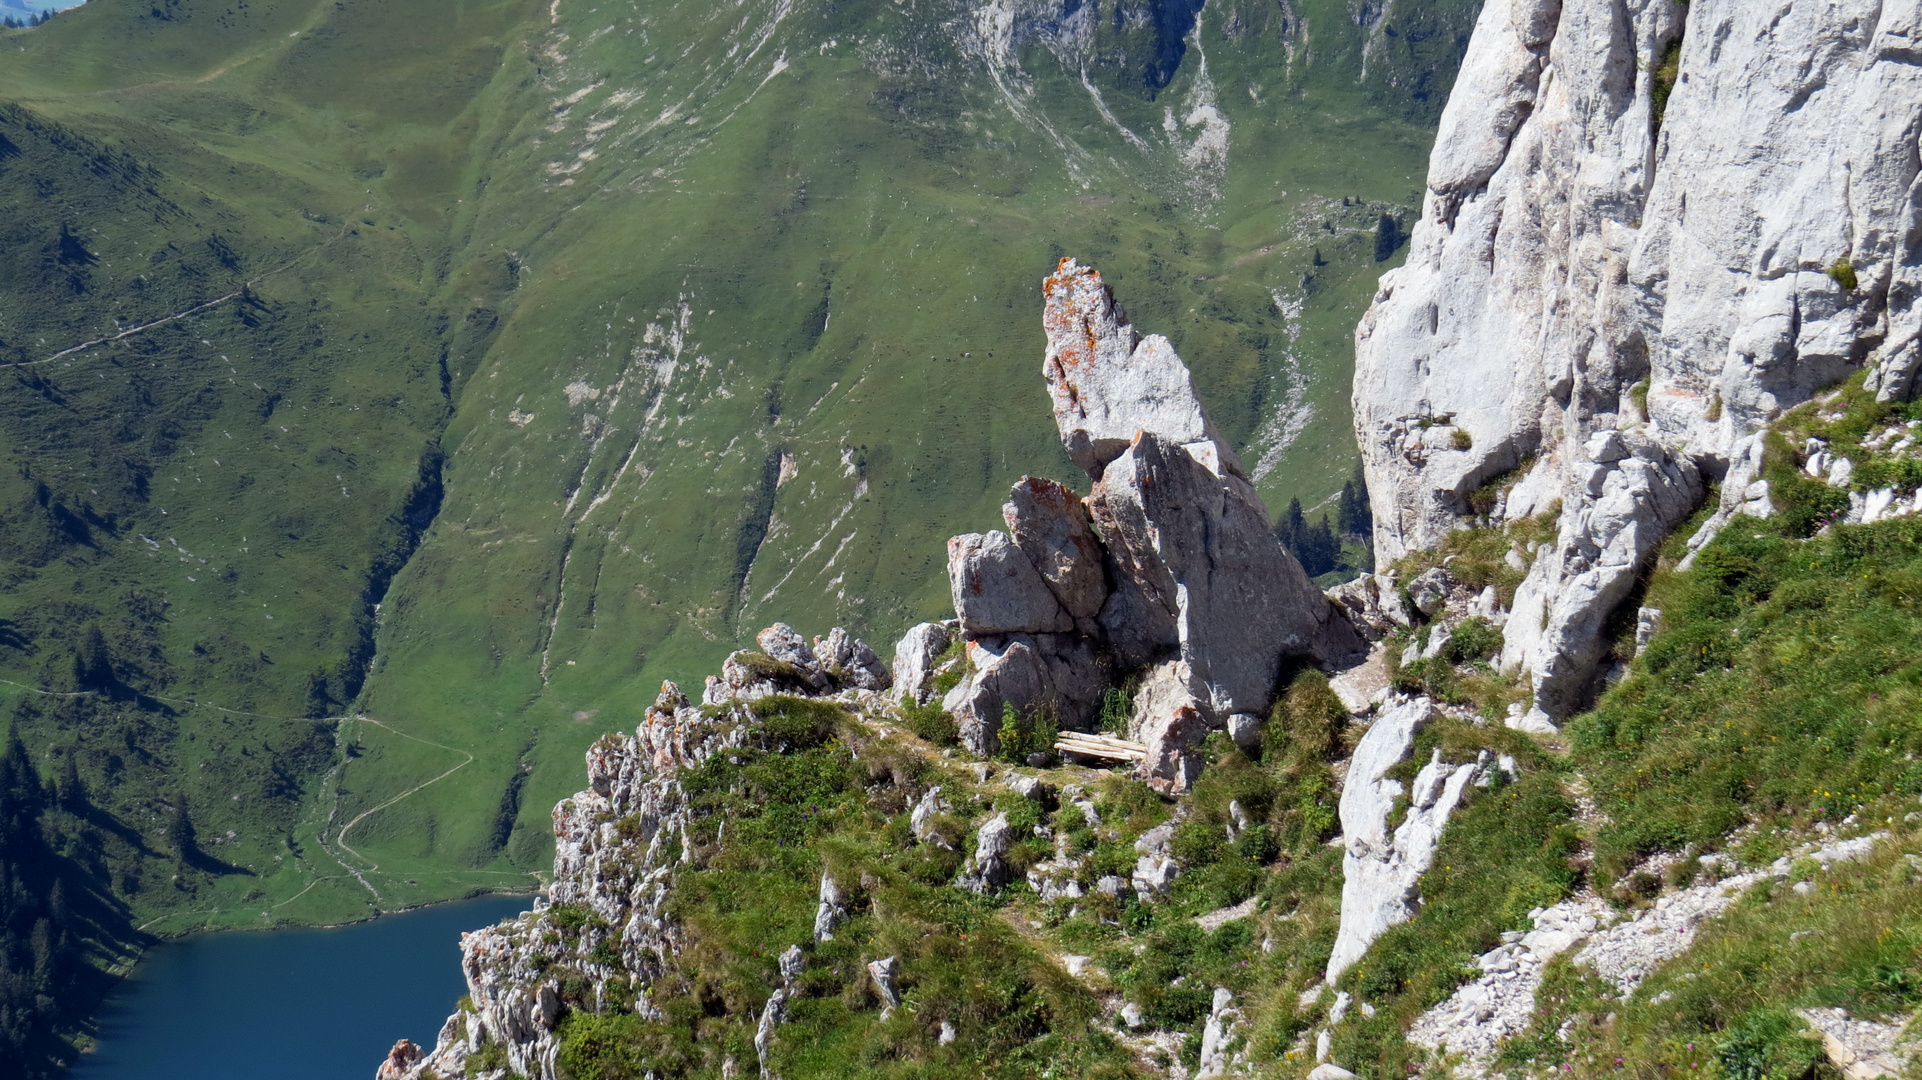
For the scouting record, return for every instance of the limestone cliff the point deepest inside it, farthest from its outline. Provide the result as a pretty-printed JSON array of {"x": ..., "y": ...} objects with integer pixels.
[{"x": 1649, "y": 229}]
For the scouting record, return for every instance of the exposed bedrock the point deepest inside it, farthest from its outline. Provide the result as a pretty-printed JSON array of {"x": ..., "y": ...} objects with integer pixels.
[
  {"x": 1582, "y": 268},
  {"x": 1171, "y": 559}
]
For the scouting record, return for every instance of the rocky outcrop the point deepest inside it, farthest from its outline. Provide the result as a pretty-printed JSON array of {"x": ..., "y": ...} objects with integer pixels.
[
  {"x": 1619, "y": 285},
  {"x": 1219, "y": 588},
  {"x": 1500, "y": 1004},
  {"x": 617, "y": 844},
  {"x": 986, "y": 871},
  {"x": 1171, "y": 560},
  {"x": 915, "y": 656},
  {"x": 1218, "y": 1053},
  {"x": 1109, "y": 382},
  {"x": 1865, "y": 1049},
  {"x": 1381, "y": 872},
  {"x": 786, "y": 664},
  {"x": 849, "y": 662},
  {"x": 830, "y": 910},
  {"x": 401, "y": 1060}
]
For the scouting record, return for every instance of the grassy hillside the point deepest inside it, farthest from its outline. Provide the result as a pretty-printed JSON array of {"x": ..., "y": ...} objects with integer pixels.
[{"x": 467, "y": 367}]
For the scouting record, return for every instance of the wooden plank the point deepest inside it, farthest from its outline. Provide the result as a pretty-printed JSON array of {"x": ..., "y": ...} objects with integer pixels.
[{"x": 1074, "y": 742}]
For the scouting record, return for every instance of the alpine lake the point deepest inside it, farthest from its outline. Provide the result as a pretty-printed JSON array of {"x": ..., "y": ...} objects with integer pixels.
[{"x": 308, "y": 1004}]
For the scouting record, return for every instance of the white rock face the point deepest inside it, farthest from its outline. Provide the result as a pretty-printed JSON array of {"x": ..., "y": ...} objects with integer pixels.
[
  {"x": 1109, "y": 382},
  {"x": 1568, "y": 254},
  {"x": 1500, "y": 1004},
  {"x": 1223, "y": 1022},
  {"x": 914, "y": 657},
  {"x": 997, "y": 590},
  {"x": 1049, "y": 523},
  {"x": 1381, "y": 872}
]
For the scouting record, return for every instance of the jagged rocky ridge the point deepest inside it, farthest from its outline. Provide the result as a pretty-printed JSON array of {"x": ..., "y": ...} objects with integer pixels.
[
  {"x": 1618, "y": 281},
  {"x": 616, "y": 846}
]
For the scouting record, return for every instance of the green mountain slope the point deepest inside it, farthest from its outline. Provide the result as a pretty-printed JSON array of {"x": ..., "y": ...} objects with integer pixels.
[{"x": 548, "y": 350}]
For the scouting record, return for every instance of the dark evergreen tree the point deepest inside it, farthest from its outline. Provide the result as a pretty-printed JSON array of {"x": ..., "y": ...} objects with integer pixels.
[
  {"x": 1315, "y": 547},
  {"x": 92, "y": 663},
  {"x": 1290, "y": 528},
  {"x": 73, "y": 791},
  {"x": 1353, "y": 517},
  {"x": 180, "y": 830}
]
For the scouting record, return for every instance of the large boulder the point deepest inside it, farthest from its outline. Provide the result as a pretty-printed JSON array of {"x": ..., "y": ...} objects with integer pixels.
[
  {"x": 849, "y": 661},
  {"x": 1006, "y": 671},
  {"x": 915, "y": 655},
  {"x": 997, "y": 590},
  {"x": 1108, "y": 381},
  {"x": 1049, "y": 523},
  {"x": 1171, "y": 719},
  {"x": 1199, "y": 545}
]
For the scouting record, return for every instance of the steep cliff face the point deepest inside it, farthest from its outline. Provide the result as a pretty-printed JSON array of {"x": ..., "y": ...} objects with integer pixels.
[{"x": 1649, "y": 229}]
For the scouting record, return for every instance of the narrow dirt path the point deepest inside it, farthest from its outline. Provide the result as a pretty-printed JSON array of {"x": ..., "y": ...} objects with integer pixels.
[
  {"x": 184, "y": 313},
  {"x": 340, "y": 838}
]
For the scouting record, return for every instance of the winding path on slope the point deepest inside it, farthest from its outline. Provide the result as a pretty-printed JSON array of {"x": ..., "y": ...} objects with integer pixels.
[{"x": 340, "y": 838}]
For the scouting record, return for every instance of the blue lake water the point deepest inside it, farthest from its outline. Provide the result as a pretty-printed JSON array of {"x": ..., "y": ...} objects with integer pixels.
[{"x": 289, "y": 1004}]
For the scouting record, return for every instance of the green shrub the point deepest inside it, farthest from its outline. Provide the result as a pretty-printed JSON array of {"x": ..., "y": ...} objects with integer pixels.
[
  {"x": 767, "y": 667},
  {"x": 797, "y": 723},
  {"x": 1198, "y": 843},
  {"x": 1117, "y": 710},
  {"x": 1767, "y": 1044},
  {"x": 1842, "y": 271},
  {"x": 1475, "y": 639},
  {"x": 491, "y": 1057},
  {"x": 567, "y": 918},
  {"x": 1903, "y": 474},
  {"x": 1667, "y": 74},
  {"x": 944, "y": 681},
  {"x": 1433, "y": 676},
  {"x": 1460, "y": 439},
  {"x": 931, "y": 722},
  {"x": 1806, "y": 503},
  {"x": 1257, "y": 844},
  {"x": 1022, "y": 734}
]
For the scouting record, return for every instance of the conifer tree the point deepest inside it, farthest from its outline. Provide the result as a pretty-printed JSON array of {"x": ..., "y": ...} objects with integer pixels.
[{"x": 180, "y": 830}]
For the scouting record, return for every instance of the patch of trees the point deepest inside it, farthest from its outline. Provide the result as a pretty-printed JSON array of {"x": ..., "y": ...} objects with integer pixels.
[
  {"x": 57, "y": 915},
  {"x": 35, "y": 18},
  {"x": 1322, "y": 547}
]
